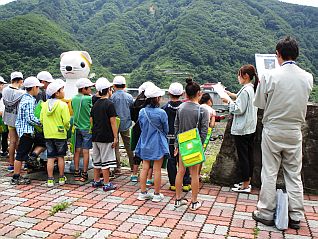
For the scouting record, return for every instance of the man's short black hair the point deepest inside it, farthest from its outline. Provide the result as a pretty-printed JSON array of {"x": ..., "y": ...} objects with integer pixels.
[
  {"x": 54, "y": 95},
  {"x": 120, "y": 86},
  {"x": 28, "y": 89},
  {"x": 16, "y": 79},
  {"x": 84, "y": 88},
  {"x": 104, "y": 92},
  {"x": 288, "y": 48}
]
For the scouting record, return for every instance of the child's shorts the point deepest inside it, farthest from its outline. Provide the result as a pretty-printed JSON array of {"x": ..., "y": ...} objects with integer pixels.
[
  {"x": 103, "y": 155},
  {"x": 56, "y": 148},
  {"x": 83, "y": 139},
  {"x": 26, "y": 143}
]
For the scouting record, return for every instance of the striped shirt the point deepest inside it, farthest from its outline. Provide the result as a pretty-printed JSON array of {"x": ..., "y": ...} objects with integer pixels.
[{"x": 26, "y": 120}]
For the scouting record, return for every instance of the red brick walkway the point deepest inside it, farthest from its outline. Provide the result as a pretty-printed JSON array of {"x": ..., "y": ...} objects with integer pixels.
[{"x": 24, "y": 213}]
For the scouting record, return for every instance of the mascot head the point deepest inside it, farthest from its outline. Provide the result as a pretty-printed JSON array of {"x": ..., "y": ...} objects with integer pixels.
[{"x": 74, "y": 65}]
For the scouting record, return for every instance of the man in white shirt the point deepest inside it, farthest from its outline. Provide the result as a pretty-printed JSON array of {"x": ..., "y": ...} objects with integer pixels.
[{"x": 283, "y": 94}]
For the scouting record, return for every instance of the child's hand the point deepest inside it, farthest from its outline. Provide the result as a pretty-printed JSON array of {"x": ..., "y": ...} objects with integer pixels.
[
  {"x": 115, "y": 143},
  {"x": 176, "y": 151}
]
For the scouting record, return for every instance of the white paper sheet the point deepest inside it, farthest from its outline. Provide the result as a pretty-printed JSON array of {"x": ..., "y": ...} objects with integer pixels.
[{"x": 220, "y": 89}]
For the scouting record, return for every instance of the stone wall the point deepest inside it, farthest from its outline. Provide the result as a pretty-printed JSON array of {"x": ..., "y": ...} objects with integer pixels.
[{"x": 225, "y": 170}]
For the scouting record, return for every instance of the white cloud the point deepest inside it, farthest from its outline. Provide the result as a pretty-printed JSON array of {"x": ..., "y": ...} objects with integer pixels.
[
  {"x": 2, "y": 2},
  {"x": 313, "y": 3}
]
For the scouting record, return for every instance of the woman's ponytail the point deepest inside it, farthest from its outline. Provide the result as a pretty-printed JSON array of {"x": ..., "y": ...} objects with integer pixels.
[
  {"x": 251, "y": 71},
  {"x": 256, "y": 81}
]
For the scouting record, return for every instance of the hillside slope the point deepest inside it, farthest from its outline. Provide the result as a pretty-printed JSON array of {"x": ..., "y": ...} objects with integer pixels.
[{"x": 167, "y": 40}]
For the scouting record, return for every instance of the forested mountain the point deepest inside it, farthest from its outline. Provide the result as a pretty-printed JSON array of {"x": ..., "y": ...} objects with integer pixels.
[{"x": 161, "y": 40}]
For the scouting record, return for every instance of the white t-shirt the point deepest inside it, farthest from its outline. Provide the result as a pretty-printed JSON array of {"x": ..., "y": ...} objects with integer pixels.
[
  {"x": 1, "y": 106},
  {"x": 211, "y": 111}
]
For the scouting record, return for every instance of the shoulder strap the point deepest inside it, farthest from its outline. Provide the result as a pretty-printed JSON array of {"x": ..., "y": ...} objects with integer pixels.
[
  {"x": 152, "y": 123},
  {"x": 198, "y": 117}
]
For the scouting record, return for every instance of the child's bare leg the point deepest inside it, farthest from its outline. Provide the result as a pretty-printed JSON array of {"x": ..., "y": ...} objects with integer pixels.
[
  {"x": 50, "y": 167},
  {"x": 85, "y": 159},
  {"x": 97, "y": 172},
  {"x": 143, "y": 175},
  {"x": 106, "y": 175},
  {"x": 157, "y": 175},
  {"x": 61, "y": 165}
]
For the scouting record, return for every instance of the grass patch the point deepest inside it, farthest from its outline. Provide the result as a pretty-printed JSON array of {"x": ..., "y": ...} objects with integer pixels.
[
  {"x": 211, "y": 153},
  {"x": 256, "y": 231},
  {"x": 59, "y": 207}
]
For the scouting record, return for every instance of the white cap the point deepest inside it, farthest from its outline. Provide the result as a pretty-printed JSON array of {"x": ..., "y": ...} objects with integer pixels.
[
  {"x": 45, "y": 76},
  {"x": 119, "y": 80},
  {"x": 154, "y": 91},
  {"x": 60, "y": 81},
  {"x": 2, "y": 80},
  {"x": 54, "y": 87},
  {"x": 83, "y": 82},
  {"x": 144, "y": 86},
  {"x": 31, "y": 82},
  {"x": 102, "y": 83},
  {"x": 16, "y": 74},
  {"x": 175, "y": 89}
]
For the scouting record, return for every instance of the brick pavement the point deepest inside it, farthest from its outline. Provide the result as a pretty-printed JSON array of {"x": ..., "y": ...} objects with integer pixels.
[{"x": 24, "y": 213}]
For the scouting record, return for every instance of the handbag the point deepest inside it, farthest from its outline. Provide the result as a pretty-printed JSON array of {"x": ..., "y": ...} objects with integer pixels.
[
  {"x": 37, "y": 114},
  {"x": 207, "y": 139},
  {"x": 3, "y": 127},
  {"x": 134, "y": 136},
  {"x": 281, "y": 214},
  {"x": 190, "y": 146}
]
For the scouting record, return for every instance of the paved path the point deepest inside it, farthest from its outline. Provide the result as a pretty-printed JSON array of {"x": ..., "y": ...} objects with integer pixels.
[{"x": 24, "y": 213}]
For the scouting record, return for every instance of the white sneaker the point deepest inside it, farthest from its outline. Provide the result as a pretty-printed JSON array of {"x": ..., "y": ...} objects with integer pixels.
[
  {"x": 195, "y": 205},
  {"x": 145, "y": 196},
  {"x": 238, "y": 185},
  {"x": 242, "y": 190},
  {"x": 158, "y": 197}
]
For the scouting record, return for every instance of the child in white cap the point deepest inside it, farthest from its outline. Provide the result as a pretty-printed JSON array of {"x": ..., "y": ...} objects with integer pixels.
[
  {"x": 45, "y": 78},
  {"x": 24, "y": 124},
  {"x": 4, "y": 131},
  {"x": 123, "y": 101},
  {"x": 55, "y": 118},
  {"x": 175, "y": 92},
  {"x": 138, "y": 104},
  {"x": 105, "y": 135},
  {"x": 152, "y": 145},
  {"x": 12, "y": 95},
  {"x": 81, "y": 105}
]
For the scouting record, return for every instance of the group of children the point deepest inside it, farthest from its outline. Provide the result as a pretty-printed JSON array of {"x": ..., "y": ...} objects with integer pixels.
[{"x": 95, "y": 127}]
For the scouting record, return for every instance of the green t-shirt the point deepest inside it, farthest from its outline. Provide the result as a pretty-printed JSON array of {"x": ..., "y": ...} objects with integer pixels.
[{"x": 81, "y": 105}]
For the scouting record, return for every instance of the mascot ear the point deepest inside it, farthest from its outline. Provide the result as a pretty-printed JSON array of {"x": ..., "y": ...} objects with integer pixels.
[
  {"x": 87, "y": 56},
  {"x": 62, "y": 55}
]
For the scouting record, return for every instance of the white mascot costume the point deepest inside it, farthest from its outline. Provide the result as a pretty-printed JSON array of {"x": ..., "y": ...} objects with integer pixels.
[{"x": 74, "y": 65}]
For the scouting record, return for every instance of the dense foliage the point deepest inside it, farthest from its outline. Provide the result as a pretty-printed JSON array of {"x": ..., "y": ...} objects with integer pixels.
[{"x": 162, "y": 41}]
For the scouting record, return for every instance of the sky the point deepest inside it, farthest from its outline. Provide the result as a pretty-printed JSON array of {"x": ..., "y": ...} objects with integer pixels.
[
  {"x": 2, "y": 2},
  {"x": 313, "y": 3}
]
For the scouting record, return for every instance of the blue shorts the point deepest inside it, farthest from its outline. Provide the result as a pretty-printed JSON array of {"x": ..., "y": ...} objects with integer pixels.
[
  {"x": 56, "y": 147},
  {"x": 83, "y": 139}
]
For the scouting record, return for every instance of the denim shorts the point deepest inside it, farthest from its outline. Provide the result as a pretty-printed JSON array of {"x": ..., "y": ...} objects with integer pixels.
[
  {"x": 83, "y": 139},
  {"x": 56, "y": 147}
]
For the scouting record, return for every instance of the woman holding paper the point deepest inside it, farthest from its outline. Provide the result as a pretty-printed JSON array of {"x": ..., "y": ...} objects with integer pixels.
[{"x": 244, "y": 124}]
